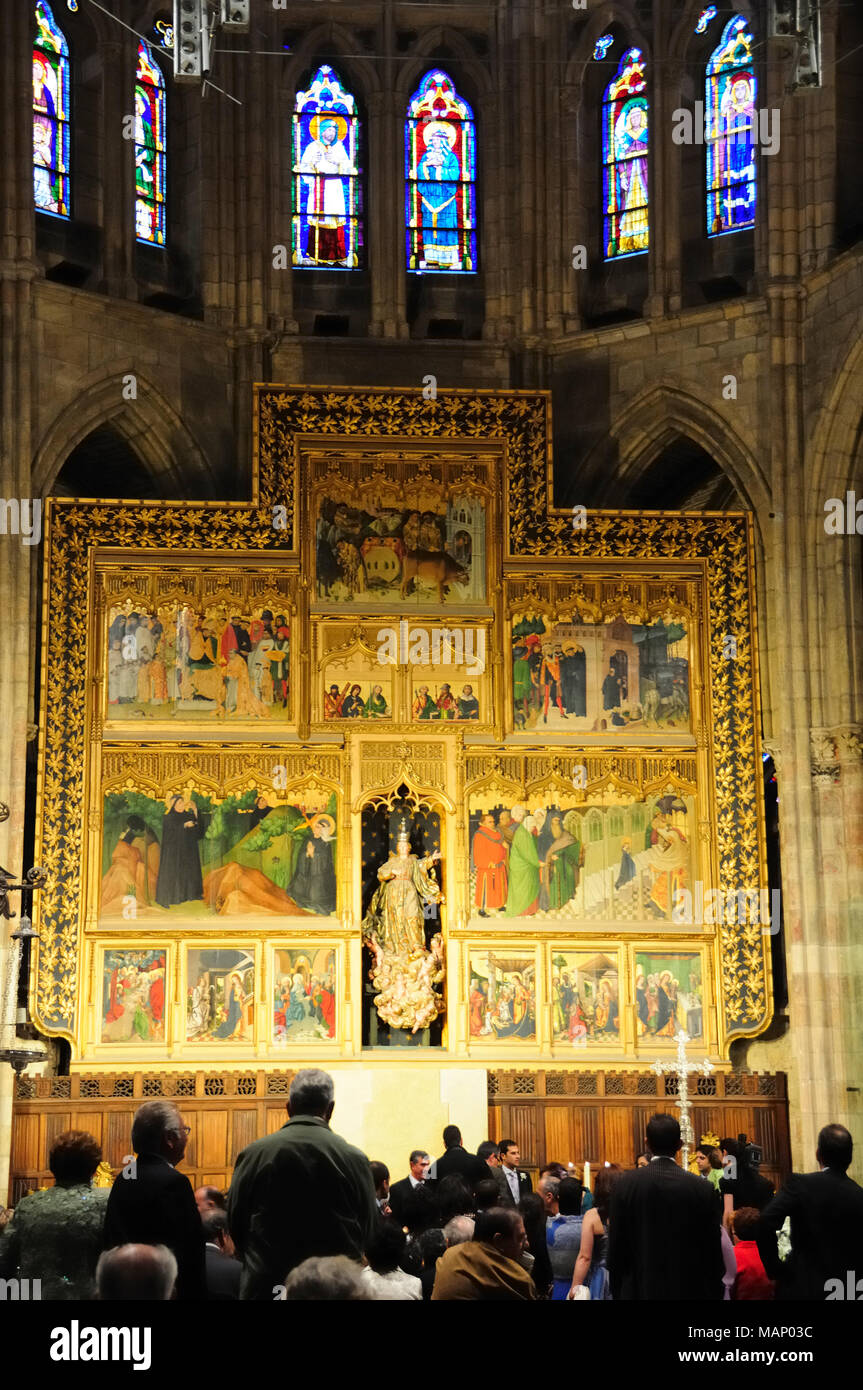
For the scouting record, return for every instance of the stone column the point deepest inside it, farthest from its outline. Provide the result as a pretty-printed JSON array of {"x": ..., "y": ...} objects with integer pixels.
[{"x": 17, "y": 273}]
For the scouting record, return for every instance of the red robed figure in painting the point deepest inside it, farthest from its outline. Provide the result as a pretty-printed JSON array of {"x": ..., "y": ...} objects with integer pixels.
[{"x": 489, "y": 856}]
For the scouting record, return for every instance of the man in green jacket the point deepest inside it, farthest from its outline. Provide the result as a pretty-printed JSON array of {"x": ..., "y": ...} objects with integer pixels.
[{"x": 299, "y": 1192}]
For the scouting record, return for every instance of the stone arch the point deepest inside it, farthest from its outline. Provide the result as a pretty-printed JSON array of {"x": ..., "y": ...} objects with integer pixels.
[
  {"x": 836, "y": 440},
  {"x": 466, "y": 63},
  {"x": 337, "y": 42},
  {"x": 614, "y": 12},
  {"x": 683, "y": 34},
  {"x": 149, "y": 424},
  {"x": 835, "y": 459},
  {"x": 663, "y": 413}
]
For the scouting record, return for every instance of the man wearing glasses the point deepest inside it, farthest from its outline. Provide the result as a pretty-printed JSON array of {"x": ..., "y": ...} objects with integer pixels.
[{"x": 152, "y": 1204}]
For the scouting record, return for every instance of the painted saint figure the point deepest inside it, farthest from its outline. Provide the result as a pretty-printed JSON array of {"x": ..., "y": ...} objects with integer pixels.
[
  {"x": 323, "y": 164},
  {"x": 524, "y": 878},
  {"x": 313, "y": 885},
  {"x": 489, "y": 856},
  {"x": 180, "y": 879}
]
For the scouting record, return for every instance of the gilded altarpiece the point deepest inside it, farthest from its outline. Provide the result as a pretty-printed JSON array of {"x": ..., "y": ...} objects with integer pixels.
[{"x": 397, "y": 647}]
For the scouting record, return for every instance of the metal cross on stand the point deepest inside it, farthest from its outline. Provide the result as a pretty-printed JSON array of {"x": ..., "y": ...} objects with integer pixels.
[{"x": 682, "y": 1069}]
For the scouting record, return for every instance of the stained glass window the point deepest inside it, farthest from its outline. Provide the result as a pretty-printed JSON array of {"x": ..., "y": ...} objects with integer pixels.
[
  {"x": 328, "y": 229},
  {"x": 730, "y": 135},
  {"x": 602, "y": 45},
  {"x": 150, "y": 149},
  {"x": 624, "y": 159},
  {"x": 440, "y": 179},
  {"x": 50, "y": 114},
  {"x": 704, "y": 19}
]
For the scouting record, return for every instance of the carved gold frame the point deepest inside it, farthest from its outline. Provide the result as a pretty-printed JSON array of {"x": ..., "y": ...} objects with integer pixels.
[{"x": 512, "y": 431}]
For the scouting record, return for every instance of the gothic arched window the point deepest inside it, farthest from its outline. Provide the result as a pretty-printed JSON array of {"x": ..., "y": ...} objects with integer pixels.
[
  {"x": 150, "y": 149},
  {"x": 51, "y": 128},
  {"x": 440, "y": 179},
  {"x": 729, "y": 105},
  {"x": 624, "y": 159},
  {"x": 328, "y": 229}
]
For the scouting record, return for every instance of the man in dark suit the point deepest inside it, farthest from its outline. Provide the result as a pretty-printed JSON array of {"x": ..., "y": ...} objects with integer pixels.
[
  {"x": 664, "y": 1231},
  {"x": 401, "y": 1191},
  {"x": 299, "y": 1192},
  {"x": 223, "y": 1270},
  {"x": 456, "y": 1159},
  {"x": 512, "y": 1183},
  {"x": 826, "y": 1211},
  {"x": 151, "y": 1203}
]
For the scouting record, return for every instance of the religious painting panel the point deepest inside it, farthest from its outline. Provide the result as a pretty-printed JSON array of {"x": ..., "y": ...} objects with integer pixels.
[
  {"x": 356, "y": 680},
  {"x": 601, "y": 658},
  {"x": 585, "y": 998},
  {"x": 502, "y": 995},
  {"x": 669, "y": 994},
  {"x": 248, "y": 843},
  {"x": 584, "y": 848},
  {"x": 392, "y": 534},
  {"x": 185, "y": 646},
  {"x": 305, "y": 990},
  {"x": 368, "y": 450},
  {"x": 220, "y": 994},
  {"x": 133, "y": 999}
]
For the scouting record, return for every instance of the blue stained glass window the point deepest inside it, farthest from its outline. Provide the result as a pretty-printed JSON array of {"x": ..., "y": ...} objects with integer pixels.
[
  {"x": 602, "y": 45},
  {"x": 624, "y": 159},
  {"x": 440, "y": 179},
  {"x": 730, "y": 134},
  {"x": 327, "y": 225},
  {"x": 51, "y": 127},
  {"x": 151, "y": 158},
  {"x": 704, "y": 19}
]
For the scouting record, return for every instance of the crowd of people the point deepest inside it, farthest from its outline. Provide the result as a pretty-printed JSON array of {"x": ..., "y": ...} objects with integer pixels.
[{"x": 309, "y": 1217}]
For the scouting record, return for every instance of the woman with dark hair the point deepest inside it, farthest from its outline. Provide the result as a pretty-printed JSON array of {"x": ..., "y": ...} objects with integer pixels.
[
  {"x": 55, "y": 1235},
  {"x": 590, "y": 1267},
  {"x": 641, "y": 1160},
  {"x": 532, "y": 1208},
  {"x": 385, "y": 1249},
  {"x": 454, "y": 1198}
]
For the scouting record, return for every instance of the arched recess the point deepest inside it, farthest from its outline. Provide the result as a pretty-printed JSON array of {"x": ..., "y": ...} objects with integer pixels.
[
  {"x": 148, "y": 424},
  {"x": 651, "y": 423},
  {"x": 330, "y": 302},
  {"x": 835, "y": 468},
  {"x": 718, "y": 267},
  {"x": 613, "y": 290},
  {"x": 442, "y": 306}
]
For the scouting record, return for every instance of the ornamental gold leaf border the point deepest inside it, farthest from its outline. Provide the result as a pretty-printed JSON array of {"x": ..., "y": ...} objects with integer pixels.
[{"x": 285, "y": 419}]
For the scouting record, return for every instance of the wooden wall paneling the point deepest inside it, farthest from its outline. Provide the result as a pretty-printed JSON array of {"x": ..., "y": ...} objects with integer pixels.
[
  {"x": 212, "y": 1138},
  {"x": 27, "y": 1147},
  {"x": 523, "y": 1129},
  {"x": 559, "y": 1133},
  {"x": 615, "y": 1138},
  {"x": 586, "y": 1134},
  {"x": 119, "y": 1137},
  {"x": 244, "y": 1130},
  {"x": 276, "y": 1117},
  {"x": 92, "y": 1121}
]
